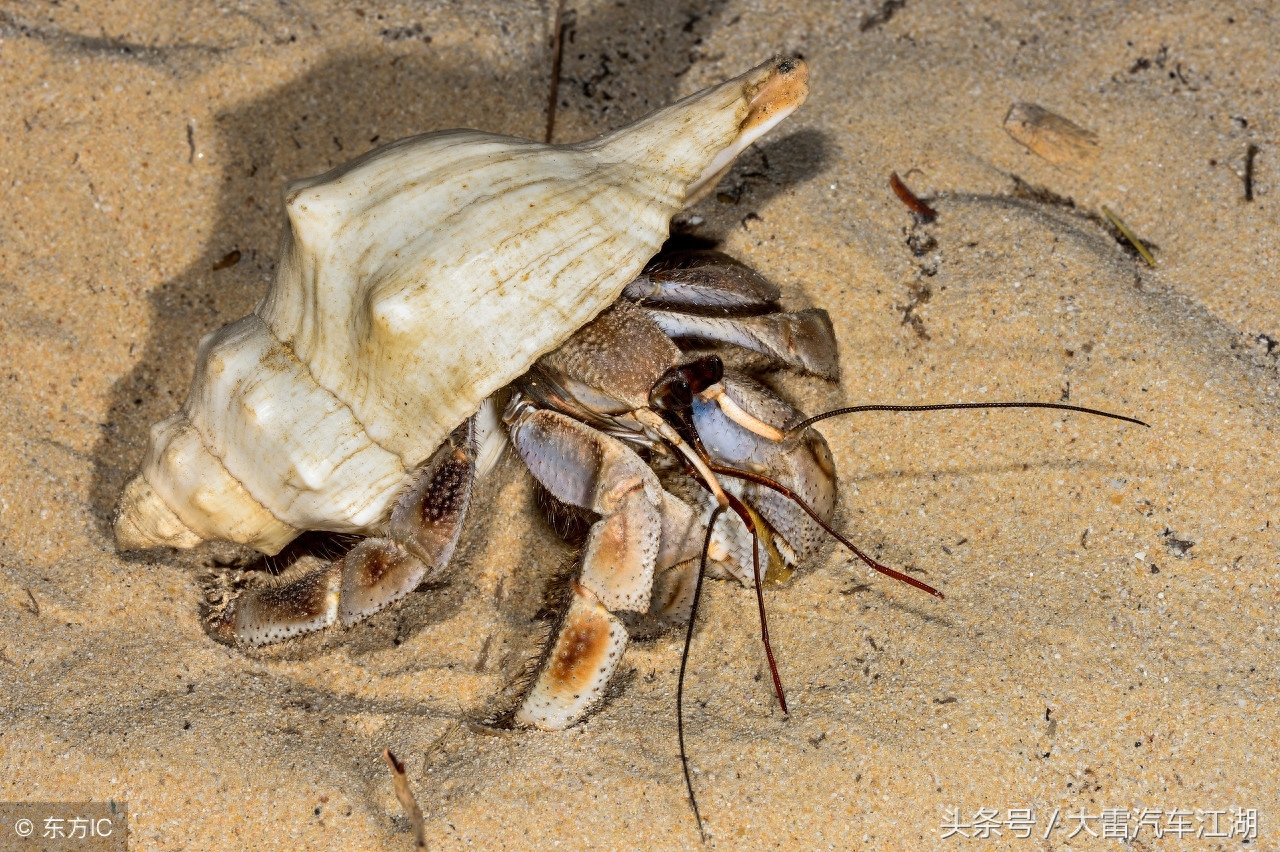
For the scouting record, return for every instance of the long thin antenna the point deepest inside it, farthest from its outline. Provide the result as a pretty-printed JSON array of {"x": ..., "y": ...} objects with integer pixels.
[
  {"x": 747, "y": 519},
  {"x": 764, "y": 622},
  {"x": 684, "y": 663},
  {"x": 684, "y": 428},
  {"x": 760, "y": 479},
  {"x": 951, "y": 406}
]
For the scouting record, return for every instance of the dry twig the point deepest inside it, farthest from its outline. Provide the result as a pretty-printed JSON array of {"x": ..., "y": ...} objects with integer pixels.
[
  {"x": 1250, "y": 154},
  {"x": 406, "y": 799},
  {"x": 557, "y": 57},
  {"x": 1129, "y": 235},
  {"x": 907, "y": 197}
]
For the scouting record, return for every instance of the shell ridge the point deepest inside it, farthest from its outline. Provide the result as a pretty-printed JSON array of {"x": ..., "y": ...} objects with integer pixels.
[
  {"x": 212, "y": 450},
  {"x": 584, "y": 253},
  {"x": 458, "y": 219},
  {"x": 330, "y": 188},
  {"x": 292, "y": 306},
  {"x": 339, "y": 403},
  {"x": 390, "y": 303},
  {"x": 198, "y": 499},
  {"x": 672, "y": 139},
  {"x": 300, "y": 285},
  {"x": 248, "y": 389}
]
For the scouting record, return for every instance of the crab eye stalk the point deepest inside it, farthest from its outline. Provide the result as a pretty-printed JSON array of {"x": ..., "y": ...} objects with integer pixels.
[
  {"x": 672, "y": 392},
  {"x": 675, "y": 390},
  {"x": 703, "y": 373}
]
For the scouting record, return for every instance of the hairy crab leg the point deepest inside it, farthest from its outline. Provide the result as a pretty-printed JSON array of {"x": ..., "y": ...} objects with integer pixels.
[
  {"x": 803, "y": 340},
  {"x": 701, "y": 279},
  {"x": 425, "y": 525},
  {"x": 642, "y": 529}
]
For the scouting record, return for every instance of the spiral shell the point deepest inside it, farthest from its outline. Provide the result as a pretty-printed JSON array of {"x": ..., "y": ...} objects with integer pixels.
[{"x": 414, "y": 282}]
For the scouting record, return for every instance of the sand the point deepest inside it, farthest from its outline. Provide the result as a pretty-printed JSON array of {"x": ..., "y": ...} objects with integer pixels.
[{"x": 1109, "y": 636}]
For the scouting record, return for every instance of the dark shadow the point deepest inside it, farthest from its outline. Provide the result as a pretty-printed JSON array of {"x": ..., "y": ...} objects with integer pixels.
[
  {"x": 762, "y": 172},
  {"x": 628, "y": 59},
  {"x": 775, "y": 165}
]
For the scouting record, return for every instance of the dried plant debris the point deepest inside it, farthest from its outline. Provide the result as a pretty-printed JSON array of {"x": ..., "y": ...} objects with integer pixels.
[
  {"x": 1250, "y": 156},
  {"x": 1052, "y": 137},
  {"x": 1129, "y": 235},
  {"x": 925, "y": 213},
  {"x": 405, "y": 796},
  {"x": 918, "y": 293},
  {"x": 228, "y": 260},
  {"x": 1179, "y": 547}
]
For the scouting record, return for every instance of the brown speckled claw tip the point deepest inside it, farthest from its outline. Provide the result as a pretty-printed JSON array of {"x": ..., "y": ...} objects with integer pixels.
[{"x": 222, "y": 626}]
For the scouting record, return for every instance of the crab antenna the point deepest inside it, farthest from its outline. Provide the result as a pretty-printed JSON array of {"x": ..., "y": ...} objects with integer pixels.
[
  {"x": 951, "y": 406},
  {"x": 740, "y": 416},
  {"x": 673, "y": 396},
  {"x": 684, "y": 663},
  {"x": 742, "y": 512},
  {"x": 760, "y": 479}
]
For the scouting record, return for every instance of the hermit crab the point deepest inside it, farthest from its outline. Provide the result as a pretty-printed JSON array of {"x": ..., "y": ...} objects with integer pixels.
[
  {"x": 454, "y": 292},
  {"x": 423, "y": 278}
]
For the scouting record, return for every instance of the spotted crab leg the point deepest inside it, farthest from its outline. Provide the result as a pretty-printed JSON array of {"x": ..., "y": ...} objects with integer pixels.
[
  {"x": 421, "y": 538},
  {"x": 642, "y": 530}
]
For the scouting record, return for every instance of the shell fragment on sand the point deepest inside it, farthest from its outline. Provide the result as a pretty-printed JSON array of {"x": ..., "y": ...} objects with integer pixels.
[{"x": 1052, "y": 137}]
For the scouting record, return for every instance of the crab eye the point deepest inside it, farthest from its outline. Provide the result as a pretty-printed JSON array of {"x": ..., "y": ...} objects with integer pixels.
[
  {"x": 703, "y": 373},
  {"x": 671, "y": 392}
]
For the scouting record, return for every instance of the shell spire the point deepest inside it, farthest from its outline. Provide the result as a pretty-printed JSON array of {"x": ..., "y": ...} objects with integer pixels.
[{"x": 414, "y": 282}]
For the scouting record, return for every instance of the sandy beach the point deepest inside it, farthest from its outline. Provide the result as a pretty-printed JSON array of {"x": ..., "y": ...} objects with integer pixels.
[{"x": 1109, "y": 639}]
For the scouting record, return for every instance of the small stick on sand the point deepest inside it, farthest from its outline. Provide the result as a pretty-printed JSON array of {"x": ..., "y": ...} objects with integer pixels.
[
  {"x": 1129, "y": 235},
  {"x": 407, "y": 801},
  {"x": 1250, "y": 154},
  {"x": 557, "y": 57},
  {"x": 924, "y": 211}
]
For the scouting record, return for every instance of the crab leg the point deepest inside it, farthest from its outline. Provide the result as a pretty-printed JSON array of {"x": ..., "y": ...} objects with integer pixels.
[
  {"x": 802, "y": 340},
  {"x": 423, "y": 534},
  {"x": 642, "y": 529},
  {"x": 701, "y": 279}
]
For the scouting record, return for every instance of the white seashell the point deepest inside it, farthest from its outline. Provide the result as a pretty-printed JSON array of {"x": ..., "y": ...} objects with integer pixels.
[{"x": 413, "y": 283}]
